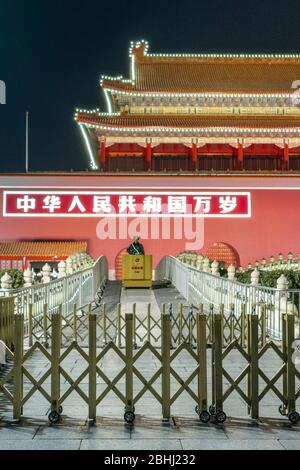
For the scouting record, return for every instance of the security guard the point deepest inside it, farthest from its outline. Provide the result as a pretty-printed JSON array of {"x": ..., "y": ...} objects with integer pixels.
[{"x": 136, "y": 248}]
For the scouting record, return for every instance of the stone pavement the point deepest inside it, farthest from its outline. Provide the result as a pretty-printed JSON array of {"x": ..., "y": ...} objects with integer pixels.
[{"x": 184, "y": 432}]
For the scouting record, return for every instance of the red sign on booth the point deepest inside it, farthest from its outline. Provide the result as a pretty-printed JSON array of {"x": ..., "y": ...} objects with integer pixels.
[{"x": 126, "y": 204}]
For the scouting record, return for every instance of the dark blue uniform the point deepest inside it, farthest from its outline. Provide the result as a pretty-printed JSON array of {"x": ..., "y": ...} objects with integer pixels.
[{"x": 136, "y": 249}]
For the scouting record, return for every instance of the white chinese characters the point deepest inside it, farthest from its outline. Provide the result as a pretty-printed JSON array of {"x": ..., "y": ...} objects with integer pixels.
[{"x": 126, "y": 204}]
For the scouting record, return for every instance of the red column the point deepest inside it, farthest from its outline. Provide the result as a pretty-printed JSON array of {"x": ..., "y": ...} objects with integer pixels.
[
  {"x": 240, "y": 160},
  {"x": 103, "y": 155},
  {"x": 286, "y": 158},
  {"x": 148, "y": 157},
  {"x": 194, "y": 158}
]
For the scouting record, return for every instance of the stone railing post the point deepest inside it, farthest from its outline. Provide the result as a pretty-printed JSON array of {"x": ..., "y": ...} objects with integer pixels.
[
  {"x": 69, "y": 266},
  {"x": 6, "y": 282},
  {"x": 46, "y": 274},
  {"x": 206, "y": 265},
  {"x": 215, "y": 268},
  {"x": 231, "y": 272},
  {"x": 62, "y": 267},
  {"x": 290, "y": 260},
  {"x": 255, "y": 277},
  {"x": 74, "y": 263},
  {"x": 28, "y": 278},
  {"x": 200, "y": 262},
  {"x": 280, "y": 259},
  {"x": 282, "y": 282}
]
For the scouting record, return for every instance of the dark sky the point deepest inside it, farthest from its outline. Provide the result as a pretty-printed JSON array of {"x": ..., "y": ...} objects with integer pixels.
[{"x": 52, "y": 54}]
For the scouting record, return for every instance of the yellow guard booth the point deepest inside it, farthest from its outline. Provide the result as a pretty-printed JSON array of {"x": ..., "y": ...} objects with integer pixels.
[{"x": 137, "y": 271}]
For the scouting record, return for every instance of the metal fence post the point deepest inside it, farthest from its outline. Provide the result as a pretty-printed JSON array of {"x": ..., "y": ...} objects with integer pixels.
[
  {"x": 45, "y": 324},
  {"x": 134, "y": 327},
  {"x": 149, "y": 323},
  {"x": 75, "y": 322},
  {"x": 119, "y": 323},
  {"x": 253, "y": 353},
  {"x": 232, "y": 318},
  {"x": 290, "y": 366},
  {"x": 243, "y": 325},
  {"x": 30, "y": 325},
  {"x": 180, "y": 324},
  {"x": 166, "y": 366},
  {"x": 263, "y": 325},
  {"x": 92, "y": 365},
  {"x": 284, "y": 352},
  {"x": 222, "y": 313},
  {"x": 80, "y": 290},
  {"x": 202, "y": 360},
  {"x": 55, "y": 360},
  {"x": 217, "y": 363},
  {"x": 211, "y": 312},
  {"x": 191, "y": 316},
  {"x": 129, "y": 362},
  {"x": 104, "y": 325},
  {"x": 18, "y": 367}
]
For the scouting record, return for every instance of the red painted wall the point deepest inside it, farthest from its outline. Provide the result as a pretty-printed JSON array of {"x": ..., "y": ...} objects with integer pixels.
[{"x": 274, "y": 226}]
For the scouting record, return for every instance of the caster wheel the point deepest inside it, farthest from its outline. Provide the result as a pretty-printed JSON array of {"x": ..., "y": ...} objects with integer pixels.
[
  {"x": 221, "y": 417},
  {"x": 204, "y": 417},
  {"x": 281, "y": 410},
  {"x": 54, "y": 417},
  {"x": 129, "y": 417},
  {"x": 294, "y": 417},
  {"x": 60, "y": 410},
  {"x": 211, "y": 409},
  {"x": 197, "y": 409}
]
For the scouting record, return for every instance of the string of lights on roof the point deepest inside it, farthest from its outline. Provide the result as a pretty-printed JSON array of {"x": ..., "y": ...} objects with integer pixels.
[
  {"x": 137, "y": 45},
  {"x": 228, "y": 130},
  {"x": 200, "y": 95},
  {"x": 96, "y": 112}
]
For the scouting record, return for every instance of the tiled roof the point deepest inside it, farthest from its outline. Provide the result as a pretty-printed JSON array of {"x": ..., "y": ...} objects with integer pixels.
[
  {"x": 190, "y": 121},
  {"x": 47, "y": 249},
  {"x": 208, "y": 75}
]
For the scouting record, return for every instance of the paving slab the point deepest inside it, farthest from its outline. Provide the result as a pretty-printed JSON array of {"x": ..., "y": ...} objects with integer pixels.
[
  {"x": 290, "y": 444},
  {"x": 38, "y": 444},
  {"x": 131, "y": 445},
  {"x": 253, "y": 444}
]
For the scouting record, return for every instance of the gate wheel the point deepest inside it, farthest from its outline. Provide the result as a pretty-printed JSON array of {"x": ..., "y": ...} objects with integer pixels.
[
  {"x": 294, "y": 417},
  {"x": 221, "y": 417},
  {"x": 204, "y": 417},
  {"x": 129, "y": 417},
  {"x": 54, "y": 417}
]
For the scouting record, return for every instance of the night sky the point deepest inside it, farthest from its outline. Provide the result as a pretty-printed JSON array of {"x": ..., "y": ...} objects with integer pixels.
[{"x": 52, "y": 54}]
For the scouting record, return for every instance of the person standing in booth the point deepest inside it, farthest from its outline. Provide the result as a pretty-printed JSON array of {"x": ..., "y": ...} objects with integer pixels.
[{"x": 136, "y": 248}]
